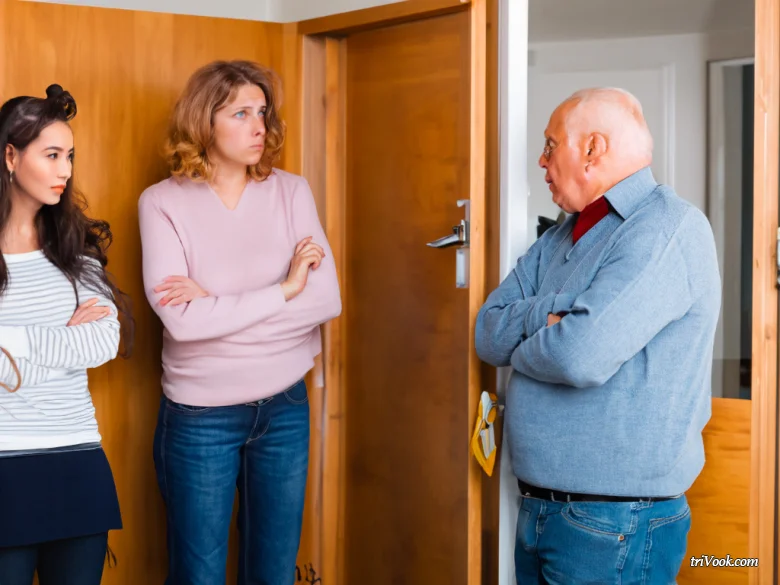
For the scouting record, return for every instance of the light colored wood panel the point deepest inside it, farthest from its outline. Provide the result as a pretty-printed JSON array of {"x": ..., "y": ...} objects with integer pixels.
[
  {"x": 763, "y": 506},
  {"x": 720, "y": 497},
  {"x": 309, "y": 562},
  {"x": 292, "y": 100},
  {"x": 313, "y": 116},
  {"x": 312, "y": 135},
  {"x": 335, "y": 425},
  {"x": 477, "y": 269},
  {"x": 125, "y": 69},
  {"x": 396, "y": 13}
]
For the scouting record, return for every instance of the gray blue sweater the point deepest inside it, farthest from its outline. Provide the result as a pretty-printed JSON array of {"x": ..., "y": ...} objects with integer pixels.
[{"x": 613, "y": 399}]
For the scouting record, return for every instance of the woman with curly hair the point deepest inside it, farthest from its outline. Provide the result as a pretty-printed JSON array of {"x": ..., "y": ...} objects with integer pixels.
[
  {"x": 58, "y": 317},
  {"x": 237, "y": 267}
]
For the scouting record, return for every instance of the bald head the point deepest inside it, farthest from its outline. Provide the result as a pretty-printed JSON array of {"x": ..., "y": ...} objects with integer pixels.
[
  {"x": 595, "y": 139},
  {"x": 617, "y": 115}
]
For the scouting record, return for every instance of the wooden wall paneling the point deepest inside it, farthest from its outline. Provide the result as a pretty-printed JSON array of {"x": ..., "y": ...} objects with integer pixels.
[
  {"x": 295, "y": 111},
  {"x": 720, "y": 497},
  {"x": 333, "y": 486},
  {"x": 491, "y": 493},
  {"x": 763, "y": 494},
  {"x": 125, "y": 69},
  {"x": 478, "y": 255}
]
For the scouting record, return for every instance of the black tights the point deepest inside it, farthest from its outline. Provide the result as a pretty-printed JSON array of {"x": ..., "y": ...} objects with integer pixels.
[{"x": 73, "y": 561}]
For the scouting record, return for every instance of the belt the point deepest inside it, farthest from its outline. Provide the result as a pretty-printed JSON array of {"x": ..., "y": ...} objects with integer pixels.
[{"x": 531, "y": 491}]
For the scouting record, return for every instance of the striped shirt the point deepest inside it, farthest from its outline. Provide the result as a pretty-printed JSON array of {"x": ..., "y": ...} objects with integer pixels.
[{"x": 53, "y": 407}]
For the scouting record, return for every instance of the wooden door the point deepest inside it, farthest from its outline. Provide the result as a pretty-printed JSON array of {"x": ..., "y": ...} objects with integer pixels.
[
  {"x": 403, "y": 141},
  {"x": 407, "y": 363}
]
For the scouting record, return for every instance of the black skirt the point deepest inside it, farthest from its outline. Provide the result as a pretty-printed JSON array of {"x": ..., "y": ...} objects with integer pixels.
[{"x": 47, "y": 496}]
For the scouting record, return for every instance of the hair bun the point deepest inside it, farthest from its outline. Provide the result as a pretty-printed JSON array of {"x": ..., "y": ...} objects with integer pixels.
[
  {"x": 54, "y": 91},
  {"x": 62, "y": 99}
]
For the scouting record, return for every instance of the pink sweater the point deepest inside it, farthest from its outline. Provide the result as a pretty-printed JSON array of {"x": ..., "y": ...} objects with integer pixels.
[{"x": 244, "y": 342}]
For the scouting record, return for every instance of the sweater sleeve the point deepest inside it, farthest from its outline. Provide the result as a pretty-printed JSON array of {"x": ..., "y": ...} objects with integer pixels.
[
  {"x": 320, "y": 300},
  {"x": 513, "y": 312},
  {"x": 32, "y": 374},
  {"x": 203, "y": 318},
  {"x": 637, "y": 292},
  {"x": 80, "y": 346}
]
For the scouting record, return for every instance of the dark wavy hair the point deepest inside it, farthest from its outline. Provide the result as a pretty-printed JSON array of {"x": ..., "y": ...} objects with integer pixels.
[{"x": 67, "y": 236}]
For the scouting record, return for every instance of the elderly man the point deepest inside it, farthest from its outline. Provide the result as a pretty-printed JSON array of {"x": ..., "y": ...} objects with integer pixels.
[{"x": 608, "y": 322}]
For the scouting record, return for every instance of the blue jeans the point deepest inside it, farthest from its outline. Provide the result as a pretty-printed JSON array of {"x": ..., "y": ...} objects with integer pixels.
[
  {"x": 71, "y": 561},
  {"x": 583, "y": 543},
  {"x": 202, "y": 454}
]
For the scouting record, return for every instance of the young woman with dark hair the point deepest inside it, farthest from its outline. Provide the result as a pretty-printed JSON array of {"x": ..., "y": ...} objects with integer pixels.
[{"x": 59, "y": 316}]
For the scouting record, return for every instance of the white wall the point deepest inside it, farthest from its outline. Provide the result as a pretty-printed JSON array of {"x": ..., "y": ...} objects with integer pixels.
[
  {"x": 514, "y": 240},
  {"x": 669, "y": 76},
  {"x": 667, "y": 73}
]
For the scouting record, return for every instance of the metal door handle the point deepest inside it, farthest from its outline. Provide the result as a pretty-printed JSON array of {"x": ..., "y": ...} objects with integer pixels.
[
  {"x": 460, "y": 232},
  {"x": 457, "y": 237},
  {"x": 460, "y": 238}
]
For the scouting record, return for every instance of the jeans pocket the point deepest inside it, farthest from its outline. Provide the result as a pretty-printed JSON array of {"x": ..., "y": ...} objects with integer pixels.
[
  {"x": 607, "y": 518},
  {"x": 186, "y": 408},
  {"x": 297, "y": 394},
  {"x": 666, "y": 545}
]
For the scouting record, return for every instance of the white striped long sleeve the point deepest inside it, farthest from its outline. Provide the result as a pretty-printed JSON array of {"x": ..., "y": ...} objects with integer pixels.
[
  {"x": 79, "y": 346},
  {"x": 53, "y": 406}
]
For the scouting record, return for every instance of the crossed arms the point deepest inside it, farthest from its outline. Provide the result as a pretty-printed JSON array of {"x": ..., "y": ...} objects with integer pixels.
[
  {"x": 641, "y": 287},
  {"x": 42, "y": 353}
]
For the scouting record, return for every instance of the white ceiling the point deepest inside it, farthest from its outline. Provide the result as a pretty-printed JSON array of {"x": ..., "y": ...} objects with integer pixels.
[{"x": 549, "y": 20}]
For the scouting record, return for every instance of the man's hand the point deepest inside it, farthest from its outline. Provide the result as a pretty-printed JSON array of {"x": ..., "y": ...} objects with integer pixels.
[
  {"x": 552, "y": 319},
  {"x": 179, "y": 289},
  {"x": 88, "y": 312}
]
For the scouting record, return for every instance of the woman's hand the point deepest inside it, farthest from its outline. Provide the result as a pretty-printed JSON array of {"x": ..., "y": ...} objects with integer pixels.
[
  {"x": 179, "y": 290},
  {"x": 307, "y": 255},
  {"x": 88, "y": 312}
]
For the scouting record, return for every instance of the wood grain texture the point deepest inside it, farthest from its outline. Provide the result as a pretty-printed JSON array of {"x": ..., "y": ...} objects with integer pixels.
[
  {"x": 125, "y": 70},
  {"x": 720, "y": 497},
  {"x": 477, "y": 271},
  {"x": 407, "y": 366},
  {"x": 491, "y": 486},
  {"x": 379, "y": 16},
  {"x": 764, "y": 383},
  {"x": 333, "y": 56}
]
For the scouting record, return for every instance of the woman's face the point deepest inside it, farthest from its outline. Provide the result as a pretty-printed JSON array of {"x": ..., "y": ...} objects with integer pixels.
[
  {"x": 239, "y": 129},
  {"x": 42, "y": 170}
]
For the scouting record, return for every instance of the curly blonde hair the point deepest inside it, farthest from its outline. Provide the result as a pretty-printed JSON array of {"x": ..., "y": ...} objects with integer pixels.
[{"x": 191, "y": 131}]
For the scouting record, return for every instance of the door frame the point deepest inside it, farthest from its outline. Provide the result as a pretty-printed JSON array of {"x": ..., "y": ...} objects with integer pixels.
[
  {"x": 321, "y": 59},
  {"x": 762, "y": 542}
]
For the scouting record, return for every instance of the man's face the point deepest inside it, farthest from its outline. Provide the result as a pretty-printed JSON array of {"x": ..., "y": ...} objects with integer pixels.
[{"x": 564, "y": 159}]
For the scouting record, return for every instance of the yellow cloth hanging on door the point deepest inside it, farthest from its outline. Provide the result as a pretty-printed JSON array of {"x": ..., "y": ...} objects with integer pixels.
[{"x": 483, "y": 441}]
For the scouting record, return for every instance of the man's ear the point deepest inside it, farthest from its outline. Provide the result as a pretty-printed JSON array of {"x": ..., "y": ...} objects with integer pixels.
[{"x": 595, "y": 148}]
